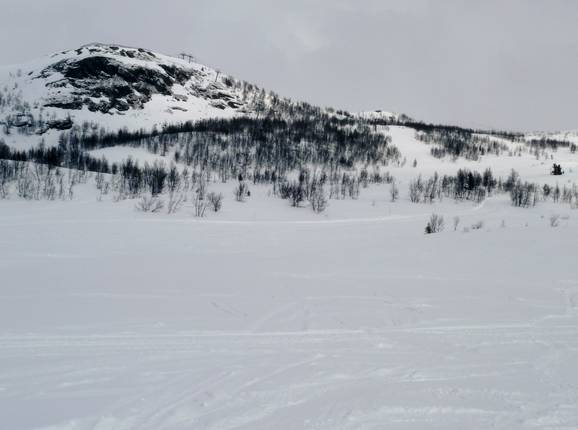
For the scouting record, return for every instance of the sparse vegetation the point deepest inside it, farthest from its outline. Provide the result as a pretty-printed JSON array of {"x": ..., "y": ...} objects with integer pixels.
[
  {"x": 149, "y": 203},
  {"x": 554, "y": 220},
  {"x": 435, "y": 224},
  {"x": 215, "y": 201}
]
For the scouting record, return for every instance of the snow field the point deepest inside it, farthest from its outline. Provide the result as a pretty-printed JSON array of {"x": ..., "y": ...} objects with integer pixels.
[{"x": 264, "y": 316}]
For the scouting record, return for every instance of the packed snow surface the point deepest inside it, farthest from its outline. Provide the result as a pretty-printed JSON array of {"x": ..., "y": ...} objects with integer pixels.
[{"x": 269, "y": 317}]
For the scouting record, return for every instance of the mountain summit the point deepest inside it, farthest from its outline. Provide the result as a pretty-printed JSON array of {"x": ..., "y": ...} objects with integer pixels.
[
  {"x": 115, "y": 87},
  {"x": 113, "y": 79}
]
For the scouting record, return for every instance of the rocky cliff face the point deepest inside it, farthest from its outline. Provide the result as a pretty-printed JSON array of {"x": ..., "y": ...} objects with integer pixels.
[{"x": 108, "y": 78}]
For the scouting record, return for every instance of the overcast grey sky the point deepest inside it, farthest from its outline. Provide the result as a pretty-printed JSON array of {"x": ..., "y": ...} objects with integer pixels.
[{"x": 491, "y": 63}]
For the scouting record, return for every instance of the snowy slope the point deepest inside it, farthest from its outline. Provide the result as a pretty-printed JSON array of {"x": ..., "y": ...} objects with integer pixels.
[
  {"x": 530, "y": 167},
  {"x": 380, "y": 115},
  {"x": 111, "y": 87},
  {"x": 568, "y": 136}
]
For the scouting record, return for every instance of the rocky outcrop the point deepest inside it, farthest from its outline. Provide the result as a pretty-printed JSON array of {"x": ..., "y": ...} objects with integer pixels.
[{"x": 102, "y": 83}]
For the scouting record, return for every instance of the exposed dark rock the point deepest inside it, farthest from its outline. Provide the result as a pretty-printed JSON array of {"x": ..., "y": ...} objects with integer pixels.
[
  {"x": 22, "y": 120},
  {"x": 234, "y": 104},
  {"x": 72, "y": 104},
  {"x": 104, "y": 83},
  {"x": 219, "y": 104},
  {"x": 178, "y": 74},
  {"x": 60, "y": 124},
  {"x": 125, "y": 86}
]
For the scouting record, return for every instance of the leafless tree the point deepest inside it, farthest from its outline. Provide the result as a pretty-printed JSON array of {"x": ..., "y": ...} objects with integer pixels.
[
  {"x": 199, "y": 206},
  {"x": 175, "y": 202},
  {"x": 318, "y": 200},
  {"x": 242, "y": 191},
  {"x": 215, "y": 201}
]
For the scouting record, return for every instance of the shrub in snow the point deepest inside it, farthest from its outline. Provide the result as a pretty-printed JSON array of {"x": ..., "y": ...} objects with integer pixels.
[
  {"x": 318, "y": 200},
  {"x": 415, "y": 190},
  {"x": 435, "y": 224},
  {"x": 242, "y": 192},
  {"x": 215, "y": 201},
  {"x": 148, "y": 203},
  {"x": 555, "y": 220},
  {"x": 557, "y": 170},
  {"x": 293, "y": 191},
  {"x": 478, "y": 225}
]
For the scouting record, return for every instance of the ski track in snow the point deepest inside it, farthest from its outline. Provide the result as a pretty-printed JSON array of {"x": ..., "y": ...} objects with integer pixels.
[
  {"x": 115, "y": 320},
  {"x": 228, "y": 380}
]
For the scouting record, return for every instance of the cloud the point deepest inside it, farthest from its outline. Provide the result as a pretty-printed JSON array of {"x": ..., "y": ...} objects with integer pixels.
[{"x": 493, "y": 63}]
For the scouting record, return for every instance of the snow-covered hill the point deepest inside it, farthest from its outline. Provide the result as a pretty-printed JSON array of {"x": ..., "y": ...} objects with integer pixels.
[
  {"x": 114, "y": 87},
  {"x": 565, "y": 136}
]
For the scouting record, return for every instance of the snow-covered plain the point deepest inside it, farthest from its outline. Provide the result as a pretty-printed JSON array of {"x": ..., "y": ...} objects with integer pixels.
[{"x": 269, "y": 317}]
